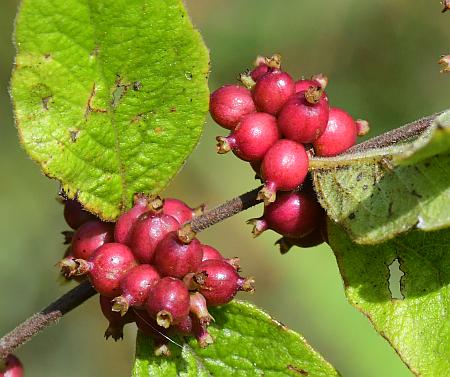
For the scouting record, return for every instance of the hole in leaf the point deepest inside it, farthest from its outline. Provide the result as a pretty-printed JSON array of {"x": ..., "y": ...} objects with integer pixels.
[{"x": 395, "y": 276}]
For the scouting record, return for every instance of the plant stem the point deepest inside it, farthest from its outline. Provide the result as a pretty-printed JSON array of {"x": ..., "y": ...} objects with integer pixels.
[{"x": 75, "y": 297}]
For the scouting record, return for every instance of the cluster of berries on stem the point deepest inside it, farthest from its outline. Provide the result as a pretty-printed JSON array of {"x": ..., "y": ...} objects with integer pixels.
[
  {"x": 277, "y": 124},
  {"x": 146, "y": 271}
]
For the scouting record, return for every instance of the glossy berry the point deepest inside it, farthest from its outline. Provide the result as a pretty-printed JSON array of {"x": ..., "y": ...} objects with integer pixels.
[
  {"x": 13, "y": 367},
  {"x": 89, "y": 237},
  {"x": 259, "y": 71},
  {"x": 251, "y": 138},
  {"x": 124, "y": 225},
  {"x": 229, "y": 104},
  {"x": 219, "y": 282},
  {"x": 339, "y": 135},
  {"x": 283, "y": 168},
  {"x": 135, "y": 287},
  {"x": 180, "y": 211},
  {"x": 168, "y": 302},
  {"x": 107, "y": 266},
  {"x": 75, "y": 215},
  {"x": 210, "y": 252},
  {"x": 116, "y": 321},
  {"x": 175, "y": 258},
  {"x": 312, "y": 239},
  {"x": 302, "y": 121},
  {"x": 272, "y": 91},
  {"x": 293, "y": 214},
  {"x": 149, "y": 229}
]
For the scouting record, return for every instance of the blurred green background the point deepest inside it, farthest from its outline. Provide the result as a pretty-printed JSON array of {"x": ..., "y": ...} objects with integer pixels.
[{"x": 380, "y": 56}]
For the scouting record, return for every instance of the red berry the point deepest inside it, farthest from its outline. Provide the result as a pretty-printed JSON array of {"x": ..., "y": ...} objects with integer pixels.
[
  {"x": 219, "y": 282},
  {"x": 210, "y": 252},
  {"x": 124, "y": 225},
  {"x": 259, "y": 71},
  {"x": 108, "y": 265},
  {"x": 272, "y": 91},
  {"x": 116, "y": 321},
  {"x": 229, "y": 104},
  {"x": 89, "y": 237},
  {"x": 312, "y": 239},
  {"x": 179, "y": 210},
  {"x": 251, "y": 138},
  {"x": 199, "y": 308},
  {"x": 135, "y": 287},
  {"x": 293, "y": 214},
  {"x": 339, "y": 135},
  {"x": 175, "y": 258},
  {"x": 75, "y": 215},
  {"x": 149, "y": 229},
  {"x": 13, "y": 367},
  {"x": 283, "y": 168},
  {"x": 302, "y": 121},
  {"x": 168, "y": 302}
]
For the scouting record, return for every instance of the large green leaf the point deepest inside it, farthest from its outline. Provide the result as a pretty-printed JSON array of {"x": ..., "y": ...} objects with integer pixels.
[
  {"x": 379, "y": 194},
  {"x": 110, "y": 96},
  {"x": 415, "y": 320},
  {"x": 248, "y": 342}
]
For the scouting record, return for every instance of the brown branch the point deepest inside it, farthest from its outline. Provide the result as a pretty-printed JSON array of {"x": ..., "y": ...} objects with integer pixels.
[
  {"x": 47, "y": 317},
  {"x": 75, "y": 297}
]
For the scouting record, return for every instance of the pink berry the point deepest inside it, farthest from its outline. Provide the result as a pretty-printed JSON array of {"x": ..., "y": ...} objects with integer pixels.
[
  {"x": 219, "y": 282},
  {"x": 75, "y": 215},
  {"x": 89, "y": 237},
  {"x": 116, "y": 321},
  {"x": 107, "y": 266},
  {"x": 293, "y": 214},
  {"x": 175, "y": 258},
  {"x": 149, "y": 229},
  {"x": 272, "y": 91},
  {"x": 229, "y": 104},
  {"x": 283, "y": 168},
  {"x": 135, "y": 287},
  {"x": 210, "y": 252},
  {"x": 259, "y": 71},
  {"x": 13, "y": 367},
  {"x": 198, "y": 307},
  {"x": 251, "y": 138},
  {"x": 339, "y": 135},
  {"x": 302, "y": 121},
  {"x": 124, "y": 225},
  {"x": 168, "y": 302},
  {"x": 180, "y": 211}
]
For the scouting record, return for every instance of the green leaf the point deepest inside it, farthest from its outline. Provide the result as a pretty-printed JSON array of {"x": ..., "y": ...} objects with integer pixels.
[
  {"x": 248, "y": 342},
  {"x": 384, "y": 192},
  {"x": 414, "y": 318},
  {"x": 110, "y": 96}
]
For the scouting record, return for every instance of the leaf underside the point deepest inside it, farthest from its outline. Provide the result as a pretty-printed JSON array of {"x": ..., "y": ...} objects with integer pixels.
[
  {"x": 248, "y": 342},
  {"x": 416, "y": 320},
  {"x": 110, "y": 97}
]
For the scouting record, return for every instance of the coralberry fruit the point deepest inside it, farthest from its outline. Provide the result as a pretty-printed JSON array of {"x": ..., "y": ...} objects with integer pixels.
[
  {"x": 210, "y": 252},
  {"x": 135, "y": 287},
  {"x": 293, "y": 214},
  {"x": 259, "y": 71},
  {"x": 124, "y": 225},
  {"x": 75, "y": 215},
  {"x": 175, "y": 258},
  {"x": 229, "y": 104},
  {"x": 116, "y": 321},
  {"x": 272, "y": 91},
  {"x": 219, "y": 282},
  {"x": 302, "y": 121},
  {"x": 312, "y": 239},
  {"x": 283, "y": 168},
  {"x": 168, "y": 302},
  {"x": 199, "y": 308},
  {"x": 149, "y": 229},
  {"x": 339, "y": 135},
  {"x": 13, "y": 367},
  {"x": 89, "y": 237},
  {"x": 107, "y": 266},
  {"x": 251, "y": 138},
  {"x": 180, "y": 211}
]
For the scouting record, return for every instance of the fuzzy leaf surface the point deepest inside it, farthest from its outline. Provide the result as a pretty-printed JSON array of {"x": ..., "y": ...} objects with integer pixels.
[
  {"x": 248, "y": 342},
  {"x": 382, "y": 193},
  {"x": 416, "y": 322},
  {"x": 110, "y": 96}
]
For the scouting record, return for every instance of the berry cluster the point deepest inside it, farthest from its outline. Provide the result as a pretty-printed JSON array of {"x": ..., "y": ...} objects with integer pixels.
[
  {"x": 147, "y": 273},
  {"x": 276, "y": 125}
]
